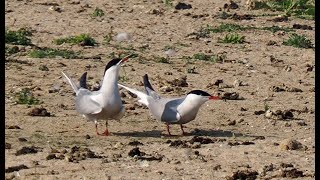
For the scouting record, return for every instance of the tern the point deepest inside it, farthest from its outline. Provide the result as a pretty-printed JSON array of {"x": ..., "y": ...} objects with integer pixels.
[
  {"x": 179, "y": 110},
  {"x": 105, "y": 103}
]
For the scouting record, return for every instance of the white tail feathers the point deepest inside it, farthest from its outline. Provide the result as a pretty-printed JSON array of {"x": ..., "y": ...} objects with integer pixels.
[
  {"x": 143, "y": 97},
  {"x": 73, "y": 85}
]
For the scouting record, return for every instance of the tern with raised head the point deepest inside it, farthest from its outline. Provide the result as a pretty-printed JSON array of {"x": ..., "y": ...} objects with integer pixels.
[
  {"x": 105, "y": 103},
  {"x": 179, "y": 110}
]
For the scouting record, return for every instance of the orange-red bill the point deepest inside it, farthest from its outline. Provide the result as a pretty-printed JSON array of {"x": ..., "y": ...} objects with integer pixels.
[
  {"x": 214, "y": 97},
  {"x": 126, "y": 58}
]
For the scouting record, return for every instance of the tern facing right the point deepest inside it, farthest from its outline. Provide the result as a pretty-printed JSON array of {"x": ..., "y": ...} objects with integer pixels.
[{"x": 171, "y": 110}]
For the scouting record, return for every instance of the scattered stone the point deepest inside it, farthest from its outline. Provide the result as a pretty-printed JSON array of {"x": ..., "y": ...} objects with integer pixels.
[
  {"x": 291, "y": 173},
  {"x": 284, "y": 88},
  {"x": 27, "y": 150},
  {"x": 299, "y": 26},
  {"x": 217, "y": 167},
  {"x": 236, "y": 143},
  {"x": 286, "y": 165},
  {"x": 123, "y": 37},
  {"x": 178, "y": 143},
  {"x": 200, "y": 16},
  {"x": 243, "y": 109},
  {"x": 259, "y": 138},
  {"x": 39, "y": 112},
  {"x": 181, "y": 6},
  {"x": 22, "y": 139},
  {"x": 271, "y": 43},
  {"x": 231, "y": 96},
  {"x": 218, "y": 81},
  {"x": 51, "y": 156},
  {"x": 280, "y": 18},
  {"x": 278, "y": 114},
  {"x": 14, "y": 127},
  {"x": 290, "y": 144},
  {"x": 276, "y": 89},
  {"x": 258, "y": 112},
  {"x": 166, "y": 89},
  {"x": 302, "y": 123},
  {"x": 243, "y": 174},
  {"x": 201, "y": 140},
  {"x": 240, "y": 120},
  {"x": 232, "y": 123},
  {"x": 54, "y": 150},
  {"x": 235, "y": 16},
  {"x": 136, "y": 152},
  {"x": 16, "y": 168},
  {"x": 135, "y": 143},
  {"x": 181, "y": 82},
  {"x": 8, "y": 146},
  {"x": 232, "y": 5}
]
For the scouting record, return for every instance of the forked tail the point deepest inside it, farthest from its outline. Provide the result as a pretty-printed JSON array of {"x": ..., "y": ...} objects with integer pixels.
[
  {"x": 143, "y": 97},
  {"x": 73, "y": 85},
  {"x": 147, "y": 84}
]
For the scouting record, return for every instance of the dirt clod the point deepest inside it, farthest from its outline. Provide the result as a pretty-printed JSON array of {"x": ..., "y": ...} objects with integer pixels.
[
  {"x": 7, "y": 146},
  {"x": 181, "y": 6},
  {"x": 135, "y": 152},
  {"x": 135, "y": 143},
  {"x": 51, "y": 156},
  {"x": 236, "y": 143},
  {"x": 22, "y": 139},
  {"x": 39, "y": 112},
  {"x": 16, "y": 168},
  {"x": 179, "y": 82},
  {"x": 290, "y": 144},
  {"x": 27, "y": 150},
  {"x": 201, "y": 140},
  {"x": 299, "y": 26},
  {"x": 243, "y": 174},
  {"x": 258, "y": 112},
  {"x": 291, "y": 173},
  {"x": 13, "y": 127}
]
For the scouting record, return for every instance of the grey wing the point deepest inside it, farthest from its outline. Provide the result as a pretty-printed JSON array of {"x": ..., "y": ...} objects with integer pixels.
[
  {"x": 85, "y": 104},
  {"x": 167, "y": 110}
]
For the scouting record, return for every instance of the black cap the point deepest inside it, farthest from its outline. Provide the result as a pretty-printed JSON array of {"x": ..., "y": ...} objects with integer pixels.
[
  {"x": 111, "y": 63},
  {"x": 199, "y": 92}
]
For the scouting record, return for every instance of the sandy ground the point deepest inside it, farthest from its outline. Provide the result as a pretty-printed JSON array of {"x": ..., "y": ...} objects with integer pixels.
[{"x": 227, "y": 138}]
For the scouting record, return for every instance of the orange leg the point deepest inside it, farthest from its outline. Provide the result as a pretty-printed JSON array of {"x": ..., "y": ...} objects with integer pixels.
[{"x": 105, "y": 133}]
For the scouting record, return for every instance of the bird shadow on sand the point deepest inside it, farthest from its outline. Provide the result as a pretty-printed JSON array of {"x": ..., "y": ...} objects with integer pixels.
[
  {"x": 153, "y": 133},
  {"x": 196, "y": 132}
]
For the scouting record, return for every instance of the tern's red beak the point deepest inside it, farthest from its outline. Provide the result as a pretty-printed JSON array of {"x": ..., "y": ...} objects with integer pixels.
[
  {"x": 214, "y": 97},
  {"x": 126, "y": 58}
]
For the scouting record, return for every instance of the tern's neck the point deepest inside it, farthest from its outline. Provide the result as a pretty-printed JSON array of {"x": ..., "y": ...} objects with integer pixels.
[
  {"x": 110, "y": 81},
  {"x": 191, "y": 103}
]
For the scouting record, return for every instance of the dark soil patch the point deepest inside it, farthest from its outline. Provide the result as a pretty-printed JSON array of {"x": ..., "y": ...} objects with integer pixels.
[
  {"x": 243, "y": 174},
  {"x": 135, "y": 143},
  {"x": 16, "y": 168},
  {"x": 39, "y": 112},
  {"x": 27, "y": 150}
]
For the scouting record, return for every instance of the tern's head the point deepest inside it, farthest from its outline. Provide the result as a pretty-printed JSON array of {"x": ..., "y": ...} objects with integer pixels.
[
  {"x": 114, "y": 64},
  {"x": 201, "y": 96}
]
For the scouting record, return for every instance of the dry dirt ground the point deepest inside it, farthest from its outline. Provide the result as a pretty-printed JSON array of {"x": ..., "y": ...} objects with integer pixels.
[{"x": 228, "y": 139}]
